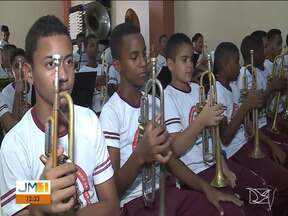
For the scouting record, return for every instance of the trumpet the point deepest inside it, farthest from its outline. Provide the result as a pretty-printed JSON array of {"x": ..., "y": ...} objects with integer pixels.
[
  {"x": 219, "y": 179},
  {"x": 148, "y": 171},
  {"x": 23, "y": 103},
  {"x": 278, "y": 96},
  {"x": 104, "y": 89},
  {"x": 51, "y": 127},
  {"x": 256, "y": 153}
]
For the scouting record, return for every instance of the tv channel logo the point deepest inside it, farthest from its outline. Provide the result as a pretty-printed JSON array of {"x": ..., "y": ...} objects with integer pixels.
[{"x": 33, "y": 192}]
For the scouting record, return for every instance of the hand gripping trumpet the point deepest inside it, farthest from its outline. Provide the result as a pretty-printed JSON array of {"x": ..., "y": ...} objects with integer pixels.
[
  {"x": 219, "y": 179},
  {"x": 148, "y": 171}
]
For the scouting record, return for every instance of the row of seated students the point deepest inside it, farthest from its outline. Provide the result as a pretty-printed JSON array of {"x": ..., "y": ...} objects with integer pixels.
[{"x": 109, "y": 156}]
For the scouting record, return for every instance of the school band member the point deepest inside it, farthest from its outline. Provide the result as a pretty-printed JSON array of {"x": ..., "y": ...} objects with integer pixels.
[
  {"x": 8, "y": 49},
  {"x": 25, "y": 142},
  {"x": 79, "y": 55},
  {"x": 13, "y": 105},
  {"x": 267, "y": 88},
  {"x": 185, "y": 125},
  {"x": 161, "y": 59},
  {"x": 119, "y": 119},
  {"x": 235, "y": 143}
]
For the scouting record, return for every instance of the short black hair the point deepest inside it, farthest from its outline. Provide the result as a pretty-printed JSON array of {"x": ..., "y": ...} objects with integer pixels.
[
  {"x": 17, "y": 52},
  {"x": 90, "y": 36},
  {"x": 4, "y": 28},
  {"x": 224, "y": 52},
  {"x": 250, "y": 43},
  {"x": 45, "y": 26},
  {"x": 174, "y": 42},
  {"x": 259, "y": 33},
  {"x": 196, "y": 37},
  {"x": 162, "y": 36},
  {"x": 117, "y": 35},
  {"x": 272, "y": 33}
]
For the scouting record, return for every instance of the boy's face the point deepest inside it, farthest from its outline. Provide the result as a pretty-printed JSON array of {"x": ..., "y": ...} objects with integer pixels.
[
  {"x": 276, "y": 45},
  {"x": 132, "y": 64},
  {"x": 233, "y": 67},
  {"x": 5, "y": 35},
  {"x": 43, "y": 69},
  {"x": 182, "y": 66},
  {"x": 259, "y": 57},
  {"x": 92, "y": 48}
]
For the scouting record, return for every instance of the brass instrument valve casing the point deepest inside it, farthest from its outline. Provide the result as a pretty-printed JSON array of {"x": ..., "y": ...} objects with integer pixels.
[
  {"x": 199, "y": 107},
  {"x": 243, "y": 95}
]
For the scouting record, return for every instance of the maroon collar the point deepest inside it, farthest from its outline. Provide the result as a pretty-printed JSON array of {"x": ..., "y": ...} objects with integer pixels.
[
  {"x": 181, "y": 89},
  {"x": 41, "y": 126}
]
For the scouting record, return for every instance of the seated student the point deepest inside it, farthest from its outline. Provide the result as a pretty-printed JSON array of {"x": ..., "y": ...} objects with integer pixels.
[
  {"x": 199, "y": 58},
  {"x": 13, "y": 104},
  {"x": 263, "y": 36},
  {"x": 161, "y": 58},
  {"x": 119, "y": 119},
  {"x": 91, "y": 49},
  {"x": 274, "y": 47},
  {"x": 232, "y": 132},
  {"x": 6, "y": 56},
  {"x": 4, "y": 35},
  {"x": 253, "y": 43},
  {"x": 79, "y": 56},
  {"x": 185, "y": 126},
  {"x": 91, "y": 169}
]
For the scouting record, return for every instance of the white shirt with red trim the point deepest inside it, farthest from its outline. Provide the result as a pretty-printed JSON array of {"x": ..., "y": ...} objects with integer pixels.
[
  {"x": 119, "y": 121},
  {"x": 23, "y": 145},
  {"x": 230, "y": 100},
  {"x": 180, "y": 111},
  {"x": 261, "y": 85},
  {"x": 7, "y": 98}
]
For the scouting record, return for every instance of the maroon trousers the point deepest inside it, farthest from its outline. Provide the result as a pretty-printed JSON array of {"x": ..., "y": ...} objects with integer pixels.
[
  {"x": 275, "y": 175},
  {"x": 180, "y": 202},
  {"x": 245, "y": 179}
]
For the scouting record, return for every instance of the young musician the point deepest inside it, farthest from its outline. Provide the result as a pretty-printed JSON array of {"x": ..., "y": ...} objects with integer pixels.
[
  {"x": 232, "y": 132},
  {"x": 14, "y": 102},
  {"x": 268, "y": 88},
  {"x": 79, "y": 56},
  {"x": 263, "y": 36},
  {"x": 119, "y": 119},
  {"x": 91, "y": 49},
  {"x": 91, "y": 169},
  {"x": 161, "y": 59},
  {"x": 8, "y": 49},
  {"x": 4, "y": 35},
  {"x": 199, "y": 58},
  {"x": 274, "y": 47},
  {"x": 185, "y": 125}
]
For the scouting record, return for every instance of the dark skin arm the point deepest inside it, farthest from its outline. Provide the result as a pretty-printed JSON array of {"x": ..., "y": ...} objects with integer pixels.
[
  {"x": 154, "y": 144},
  {"x": 228, "y": 130},
  {"x": 184, "y": 174},
  {"x": 108, "y": 201}
]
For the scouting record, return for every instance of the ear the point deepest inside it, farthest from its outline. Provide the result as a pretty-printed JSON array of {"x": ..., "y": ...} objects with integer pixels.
[
  {"x": 170, "y": 64},
  {"x": 27, "y": 69}
]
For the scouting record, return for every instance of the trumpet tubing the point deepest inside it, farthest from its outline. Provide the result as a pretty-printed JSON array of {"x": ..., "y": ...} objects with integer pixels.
[
  {"x": 51, "y": 127},
  {"x": 148, "y": 171},
  {"x": 219, "y": 179}
]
